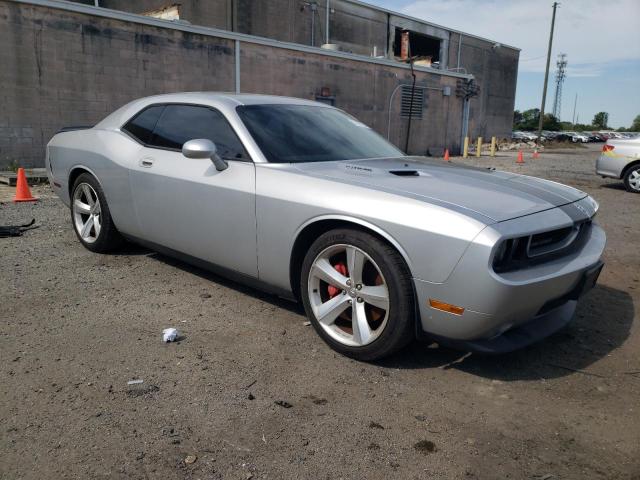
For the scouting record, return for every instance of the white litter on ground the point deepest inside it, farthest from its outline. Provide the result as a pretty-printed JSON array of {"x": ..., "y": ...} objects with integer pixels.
[
  {"x": 169, "y": 334},
  {"x": 134, "y": 382}
]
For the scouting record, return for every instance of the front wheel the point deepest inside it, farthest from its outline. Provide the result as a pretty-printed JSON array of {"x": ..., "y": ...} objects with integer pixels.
[
  {"x": 632, "y": 179},
  {"x": 357, "y": 292}
]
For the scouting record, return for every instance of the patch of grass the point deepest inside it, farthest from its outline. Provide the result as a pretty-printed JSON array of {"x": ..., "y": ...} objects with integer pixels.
[{"x": 13, "y": 166}]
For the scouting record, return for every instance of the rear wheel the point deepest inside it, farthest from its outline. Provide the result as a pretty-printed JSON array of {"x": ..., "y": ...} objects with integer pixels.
[
  {"x": 632, "y": 179},
  {"x": 90, "y": 216},
  {"x": 357, "y": 292}
]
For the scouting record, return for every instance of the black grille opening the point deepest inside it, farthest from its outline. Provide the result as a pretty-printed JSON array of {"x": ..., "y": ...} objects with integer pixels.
[
  {"x": 545, "y": 242},
  {"x": 522, "y": 252}
]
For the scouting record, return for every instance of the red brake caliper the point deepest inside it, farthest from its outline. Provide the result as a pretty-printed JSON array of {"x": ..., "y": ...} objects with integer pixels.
[{"x": 341, "y": 267}]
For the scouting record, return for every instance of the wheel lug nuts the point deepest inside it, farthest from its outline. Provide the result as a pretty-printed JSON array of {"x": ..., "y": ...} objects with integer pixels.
[
  {"x": 348, "y": 283},
  {"x": 360, "y": 300},
  {"x": 359, "y": 287},
  {"x": 344, "y": 292}
]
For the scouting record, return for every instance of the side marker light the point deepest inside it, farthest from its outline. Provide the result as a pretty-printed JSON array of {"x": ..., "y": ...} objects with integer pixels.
[{"x": 445, "y": 307}]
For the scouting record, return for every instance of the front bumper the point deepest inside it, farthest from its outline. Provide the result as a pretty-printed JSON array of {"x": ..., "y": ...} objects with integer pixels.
[
  {"x": 554, "y": 315},
  {"x": 521, "y": 306}
]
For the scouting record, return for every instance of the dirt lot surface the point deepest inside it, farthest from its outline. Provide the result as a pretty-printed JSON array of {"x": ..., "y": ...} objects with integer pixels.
[{"x": 250, "y": 391}]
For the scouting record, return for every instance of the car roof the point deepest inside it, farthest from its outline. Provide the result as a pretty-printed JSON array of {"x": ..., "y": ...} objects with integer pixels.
[
  {"x": 231, "y": 99},
  {"x": 221, "y": 100}
]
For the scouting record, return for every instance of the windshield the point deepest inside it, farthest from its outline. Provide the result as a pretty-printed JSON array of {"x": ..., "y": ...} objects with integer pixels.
[{"x": 303, "y": 133}]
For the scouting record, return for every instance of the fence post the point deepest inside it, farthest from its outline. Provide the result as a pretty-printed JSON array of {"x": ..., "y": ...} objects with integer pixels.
[
  {"x": 465, "y": 152},
  {"x": 493, "y": 146},
  {"x": 479, "y": 147}
]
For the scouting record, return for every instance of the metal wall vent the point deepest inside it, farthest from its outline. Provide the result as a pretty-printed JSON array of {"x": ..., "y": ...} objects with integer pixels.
[{"x": 418, "y": 102}]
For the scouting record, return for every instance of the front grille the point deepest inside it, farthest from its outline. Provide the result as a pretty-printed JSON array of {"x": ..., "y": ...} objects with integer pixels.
[{"x": 523, "y": 252}]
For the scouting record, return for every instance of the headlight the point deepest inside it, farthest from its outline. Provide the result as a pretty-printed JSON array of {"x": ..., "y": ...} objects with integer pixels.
[
  {"x": 593, "y": 204},
  {"x": 509, "y": 254}
]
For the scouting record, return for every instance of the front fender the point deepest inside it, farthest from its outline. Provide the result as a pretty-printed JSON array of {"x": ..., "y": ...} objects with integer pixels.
[{"x": 354, "y": 220}]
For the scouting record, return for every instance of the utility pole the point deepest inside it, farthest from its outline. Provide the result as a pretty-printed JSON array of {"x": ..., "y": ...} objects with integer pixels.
[
  {"x": 546, "y": 73},
  {"x": 575, "y": 104}
]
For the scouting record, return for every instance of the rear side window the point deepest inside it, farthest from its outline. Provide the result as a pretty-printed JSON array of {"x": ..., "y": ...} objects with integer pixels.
[
  {"x": 181, "y": 123},
  {"x": 141, "y": 126}
]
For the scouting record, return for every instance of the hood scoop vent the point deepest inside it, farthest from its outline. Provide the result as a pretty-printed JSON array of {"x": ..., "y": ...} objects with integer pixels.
[{"x": 405, "y": 173}]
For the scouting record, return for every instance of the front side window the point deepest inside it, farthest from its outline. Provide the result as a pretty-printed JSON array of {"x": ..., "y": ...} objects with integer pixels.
[
  {"x": 305, "y": 133},
  {"x": 180, "y": 123}
]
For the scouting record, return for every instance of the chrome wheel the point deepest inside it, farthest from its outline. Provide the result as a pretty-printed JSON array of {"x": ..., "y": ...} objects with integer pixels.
[
  {"x": 634, "y": 180},
  {"x": 86, "y": 212},
  {"x": 348, "y": 295}
]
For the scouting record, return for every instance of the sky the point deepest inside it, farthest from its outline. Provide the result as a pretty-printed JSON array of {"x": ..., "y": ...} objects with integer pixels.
[{"x": 601, "y": 40}]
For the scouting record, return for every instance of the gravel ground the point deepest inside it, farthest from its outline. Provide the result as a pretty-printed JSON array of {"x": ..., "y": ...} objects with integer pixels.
[{"x": 250, "y": 391}]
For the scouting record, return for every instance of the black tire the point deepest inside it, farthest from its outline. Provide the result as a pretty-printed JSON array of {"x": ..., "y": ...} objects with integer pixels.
[
  {"x": 108, "y": 239},
  {"x": 400, "y": 326},
  {"x": 627, "y": 178}
]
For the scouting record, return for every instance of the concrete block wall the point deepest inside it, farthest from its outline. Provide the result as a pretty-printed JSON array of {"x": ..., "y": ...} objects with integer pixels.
[
  {"x": 61, "y": 69},
  {"x": 495, "y": 69},
  {"x": 64, "y": 68},
  {"x": 357, "y": 28},
  {"x": 362, "y": 89},
  {"x": 210, "y": 13}
]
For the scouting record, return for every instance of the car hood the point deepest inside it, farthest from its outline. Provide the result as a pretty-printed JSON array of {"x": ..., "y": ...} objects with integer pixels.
[{"x": 493, "y": 194}]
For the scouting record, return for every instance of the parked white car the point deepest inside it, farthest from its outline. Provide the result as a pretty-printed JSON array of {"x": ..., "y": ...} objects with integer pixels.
[
  {"x": 578, "y": 137},
  {"x": 621, "y": 159}
]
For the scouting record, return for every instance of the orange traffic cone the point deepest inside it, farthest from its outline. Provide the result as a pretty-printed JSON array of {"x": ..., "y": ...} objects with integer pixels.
[
  {"x": 535, "y": 153},
  {"x": 23, "y": 194},
  {"x": 446, "y": 155},
  {"x": 520, "y": 157}
]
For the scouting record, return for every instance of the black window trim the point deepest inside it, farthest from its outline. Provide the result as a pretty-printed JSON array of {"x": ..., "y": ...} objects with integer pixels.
[{"x": 167, "y": 104}]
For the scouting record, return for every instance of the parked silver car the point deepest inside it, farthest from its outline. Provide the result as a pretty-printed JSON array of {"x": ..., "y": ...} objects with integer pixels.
[
  {"x": 305, "y": 201},
  {"x": 621, "y": 159}
]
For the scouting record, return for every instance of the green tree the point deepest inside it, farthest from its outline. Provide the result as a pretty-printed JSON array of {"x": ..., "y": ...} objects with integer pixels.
[
  {"x": 517, "y": 119},
  {"x": 529, "y": 119},
  {"x": 550, "y": 123},
  {"x": 600, "y": 120},
  {"x": 635, "y": 126}
]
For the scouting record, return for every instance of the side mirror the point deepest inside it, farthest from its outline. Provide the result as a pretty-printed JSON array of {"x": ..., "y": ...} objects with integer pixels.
[{"x": 204, "y": 148}]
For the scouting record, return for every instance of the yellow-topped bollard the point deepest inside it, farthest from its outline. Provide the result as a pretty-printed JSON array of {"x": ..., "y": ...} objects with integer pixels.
[
  {"x": 465, "y": 151},
  {"x": 479, "y": 147},
  {"x": 493, "y": 147}
]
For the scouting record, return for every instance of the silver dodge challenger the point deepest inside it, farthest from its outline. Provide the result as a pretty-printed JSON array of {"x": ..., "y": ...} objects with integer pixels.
[{"x": 304, "y": 201}]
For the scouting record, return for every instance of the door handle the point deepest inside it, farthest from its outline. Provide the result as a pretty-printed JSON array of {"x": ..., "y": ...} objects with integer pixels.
[{"x": 146, "y": 162}]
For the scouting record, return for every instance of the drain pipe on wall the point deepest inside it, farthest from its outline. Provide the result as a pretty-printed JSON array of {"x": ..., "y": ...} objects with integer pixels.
[
  {"x": 327, "y": 26},
  {"x": 413, "y": 91},
  {"x": 237, "y": 65},
  {"x": 446, "y": 91},
  {"x": 465, "y": 120}
]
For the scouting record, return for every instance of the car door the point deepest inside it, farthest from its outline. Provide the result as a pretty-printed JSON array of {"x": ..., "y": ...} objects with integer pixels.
[{"x": 187, "y": 205}]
